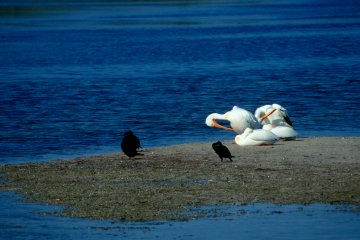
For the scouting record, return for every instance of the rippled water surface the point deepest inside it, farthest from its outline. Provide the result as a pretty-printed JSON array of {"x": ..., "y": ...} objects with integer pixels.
[
  {"x": 254, "y": 221},
  {"x": 74, "y": 75}
]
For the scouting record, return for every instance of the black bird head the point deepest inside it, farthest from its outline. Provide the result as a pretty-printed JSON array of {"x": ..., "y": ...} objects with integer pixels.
[
  {"x": 128, "y": 133},
  {"x": 218, "y": 143}
]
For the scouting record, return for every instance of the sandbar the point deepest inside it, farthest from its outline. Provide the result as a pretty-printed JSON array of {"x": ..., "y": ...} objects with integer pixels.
[{"x": 165, "y": 183}]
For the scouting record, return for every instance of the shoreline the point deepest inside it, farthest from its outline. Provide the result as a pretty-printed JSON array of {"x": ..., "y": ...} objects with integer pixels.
[{"x": 166, "y": 182}]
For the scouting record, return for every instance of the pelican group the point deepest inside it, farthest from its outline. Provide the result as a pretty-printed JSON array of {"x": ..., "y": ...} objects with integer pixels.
[{"x": 269, "y": 124}]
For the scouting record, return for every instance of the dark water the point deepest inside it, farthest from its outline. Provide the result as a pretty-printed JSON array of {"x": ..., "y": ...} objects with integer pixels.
[
  {"x": 254, "y": 221},
  {"x": 74, "y": 75}
]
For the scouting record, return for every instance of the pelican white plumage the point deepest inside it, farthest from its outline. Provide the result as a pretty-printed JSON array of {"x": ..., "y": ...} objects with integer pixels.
[
  {"x": 239, "y": 119},
  {"x": 283, "y": 132},
  {"x": 256, "y": 137},
  {"x": 273, "y": 114},
  {"x": 276, "y": 119}
]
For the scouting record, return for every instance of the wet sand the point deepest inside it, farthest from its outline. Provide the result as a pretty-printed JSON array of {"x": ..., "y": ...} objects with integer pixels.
[{"x": 165, "y": 183}]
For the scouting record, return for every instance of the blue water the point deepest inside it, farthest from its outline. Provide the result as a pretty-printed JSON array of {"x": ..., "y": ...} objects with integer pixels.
[
  {"x": 254, "y": 221},
  {"x": 74, "y": 75}
]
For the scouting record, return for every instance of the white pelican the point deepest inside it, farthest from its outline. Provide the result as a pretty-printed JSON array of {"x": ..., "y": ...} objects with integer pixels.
[
  {"x": 276, "y": 119},
  {"x": 274, "y": 114},
  {"x": 256, "y": 137},
  {"x": 239, "y": 119},
  {"x": 283, "y": 132}
]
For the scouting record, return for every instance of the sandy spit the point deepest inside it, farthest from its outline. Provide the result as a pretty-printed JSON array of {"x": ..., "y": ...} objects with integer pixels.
[{"x": 166, "y": 182}]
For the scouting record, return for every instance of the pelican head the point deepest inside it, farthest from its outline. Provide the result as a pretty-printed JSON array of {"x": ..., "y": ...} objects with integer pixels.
[
  {"x": 239, "y": 120},
  {"x": 211, "y": 121},
  {"x": 274, "y": 114},
  {"x": 267, "y": 114}
]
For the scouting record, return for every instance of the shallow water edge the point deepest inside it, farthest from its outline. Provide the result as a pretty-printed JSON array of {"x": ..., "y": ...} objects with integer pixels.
[{"x": 256, "y": 221}]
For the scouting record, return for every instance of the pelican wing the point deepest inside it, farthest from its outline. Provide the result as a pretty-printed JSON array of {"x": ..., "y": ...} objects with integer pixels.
[
  {"x": 287, "y": 120},
  {"x": 253, "y": 122},
  {"x": 284, "y": 132}
]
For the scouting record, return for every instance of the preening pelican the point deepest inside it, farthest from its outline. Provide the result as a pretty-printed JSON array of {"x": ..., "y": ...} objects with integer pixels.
[
  {"x": 276, "y": 119},
  {"x": 256, "y": 137},
  {"x": 239, "y": 119},
  {"x": 274, "y": 114}
]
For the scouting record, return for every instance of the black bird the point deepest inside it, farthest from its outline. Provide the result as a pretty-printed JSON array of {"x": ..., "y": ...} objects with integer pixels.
[
  {"x": 130, "y": 143},
  {"x": 222, "y": 151}
]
